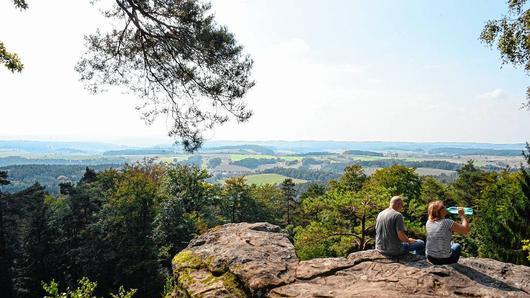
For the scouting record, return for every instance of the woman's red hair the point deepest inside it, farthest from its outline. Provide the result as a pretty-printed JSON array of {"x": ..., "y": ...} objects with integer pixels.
[{"x": 435, "y": 210}]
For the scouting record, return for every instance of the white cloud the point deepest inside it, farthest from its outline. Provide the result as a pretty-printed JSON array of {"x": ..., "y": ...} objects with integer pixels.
[
  {"x": 292, "y": 47},
  {"x": 493, "y": 95}
]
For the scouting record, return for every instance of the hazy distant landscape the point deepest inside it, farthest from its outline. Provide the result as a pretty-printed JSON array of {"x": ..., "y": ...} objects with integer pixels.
[{"x": 51, "y": 163}]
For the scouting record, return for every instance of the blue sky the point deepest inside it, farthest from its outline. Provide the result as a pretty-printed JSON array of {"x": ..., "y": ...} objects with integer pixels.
[
  {"x": 325, "y": 70},
  {"x": 431, "y": 46}
]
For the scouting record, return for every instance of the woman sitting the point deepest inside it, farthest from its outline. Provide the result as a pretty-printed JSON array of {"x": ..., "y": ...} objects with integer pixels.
[{"x": 440, "y": 249}]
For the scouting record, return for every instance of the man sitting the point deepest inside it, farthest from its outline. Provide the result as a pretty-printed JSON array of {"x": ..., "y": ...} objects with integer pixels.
[{"x": 390, "y": 238}]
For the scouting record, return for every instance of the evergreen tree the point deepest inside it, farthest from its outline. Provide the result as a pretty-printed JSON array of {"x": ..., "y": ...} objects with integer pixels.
[
  {"x": 341, "y": 222},
  {"x": 89, "y": 176},
  {"x": 125, "y": 232},
  {"x": 289, "y": 195},
  {"x": 34, "y": 264},
  {"x": 26, "y": 240},
  {"x": 525, "y": 185},
  {"x": 172, "y": 230},
  {"x": 313, "y": 190},
  {"x": 74, "y": 217},
  {"x": 504, "y": 219},
  {"x": 525, "y": 172},
  {"x": 6, "y": 286},
  {"x": 3, "y": 178},
  {"x": 174, "y": 56}
]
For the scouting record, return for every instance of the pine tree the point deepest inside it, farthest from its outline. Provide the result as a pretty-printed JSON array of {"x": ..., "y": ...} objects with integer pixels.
[
  {"x": 289, "y": 195},
  {"x": 6, "y": 286}
]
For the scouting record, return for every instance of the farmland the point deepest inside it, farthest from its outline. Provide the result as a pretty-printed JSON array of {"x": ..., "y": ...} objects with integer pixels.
[
  {"x": 260, "y": 179},
  {"x": 237, "y": 157},
  {"x": 33, "y": 161}
]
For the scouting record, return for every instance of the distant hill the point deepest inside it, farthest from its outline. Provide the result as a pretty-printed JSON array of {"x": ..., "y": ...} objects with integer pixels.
[
  {"x": 476, "y": 151},
  {"x": 142, "y": 151},
  {"x": 250, "y": 147},
  {"x": 57, "y": 147},
  {"x": 315, "y": 153},
  {"x": 297, "y": 147},
  {"x": 17, "y": 160},
  {"x": 363, "y": 153},
  {"x": 238, "y": 149}
]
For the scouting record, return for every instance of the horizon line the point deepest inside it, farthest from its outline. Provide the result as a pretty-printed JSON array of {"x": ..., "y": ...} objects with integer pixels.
[{"x": 117, "y": 141}]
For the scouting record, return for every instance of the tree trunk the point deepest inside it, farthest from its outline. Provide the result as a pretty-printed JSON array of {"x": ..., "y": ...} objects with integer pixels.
[
  {"x": 288, "y": 212},
  {"x": 234, "y": 208},
  {"x": 363, "y": 232}
]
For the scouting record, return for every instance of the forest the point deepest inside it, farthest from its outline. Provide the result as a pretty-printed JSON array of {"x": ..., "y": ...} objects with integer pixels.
[{"x": 120, "y": 227}]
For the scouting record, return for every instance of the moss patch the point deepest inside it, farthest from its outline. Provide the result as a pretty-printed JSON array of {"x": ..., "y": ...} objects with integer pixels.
[
  {"x": 228, "y": 280},
  {"x": 233, "y": 285},
  {"x": 186, "y": 265},
  {"x": 184, "y": 278},
  {"x": 187, "y": 259}
]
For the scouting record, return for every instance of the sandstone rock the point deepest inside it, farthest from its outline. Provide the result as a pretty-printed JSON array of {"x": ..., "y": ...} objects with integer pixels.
[
  {"x": 257, "y": 254},
  {"x": 257, "y": 260}
]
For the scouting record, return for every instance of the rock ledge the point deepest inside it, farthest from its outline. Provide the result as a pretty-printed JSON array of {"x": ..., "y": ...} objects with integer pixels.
[{"x": 257, "y": 260}]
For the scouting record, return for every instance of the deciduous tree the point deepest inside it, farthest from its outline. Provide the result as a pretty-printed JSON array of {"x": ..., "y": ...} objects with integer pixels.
[
  {"x": 237, "y": 202},
  {"x": 511, "y": 35},
  {"x": 352, "y": 179}
]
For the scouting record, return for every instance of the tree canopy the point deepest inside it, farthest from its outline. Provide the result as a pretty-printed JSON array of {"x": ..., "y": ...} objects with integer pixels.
[
  {"x": 511, "y": 35},
  {"x": 11, "y": 60}
]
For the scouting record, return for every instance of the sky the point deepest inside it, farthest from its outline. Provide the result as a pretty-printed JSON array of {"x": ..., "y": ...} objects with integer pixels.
[{"x": 341, "y": 70}]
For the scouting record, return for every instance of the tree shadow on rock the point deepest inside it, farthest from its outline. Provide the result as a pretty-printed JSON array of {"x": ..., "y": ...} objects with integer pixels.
[{"x": 483, "y": 279}]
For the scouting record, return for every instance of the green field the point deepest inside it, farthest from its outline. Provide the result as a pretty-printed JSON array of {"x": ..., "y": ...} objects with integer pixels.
[
  {"x": 420, "y": 171},
  {"x": 269, "y": 179},
  {"x": 433, "y": 172},
  {"x": 236, "y": 157},
  {"x": 172, "y": 158}
]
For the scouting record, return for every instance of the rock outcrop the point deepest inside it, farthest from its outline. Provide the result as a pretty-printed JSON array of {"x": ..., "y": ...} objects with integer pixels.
[{"x": 257, "y": 260}]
